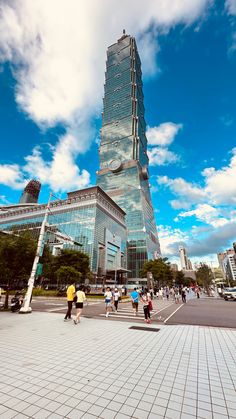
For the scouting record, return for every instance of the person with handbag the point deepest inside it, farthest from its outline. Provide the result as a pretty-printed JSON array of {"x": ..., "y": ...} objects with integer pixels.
[
  {"x": 80, "y": 298},
  {"x": 145, "y": 301}
]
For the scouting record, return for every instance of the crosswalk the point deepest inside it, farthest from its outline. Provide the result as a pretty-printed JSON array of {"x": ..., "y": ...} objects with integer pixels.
[{"x": 125, "y": 311}]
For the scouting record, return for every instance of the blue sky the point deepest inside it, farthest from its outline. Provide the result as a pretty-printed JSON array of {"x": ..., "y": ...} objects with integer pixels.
[{"x": 52, "y": 62}]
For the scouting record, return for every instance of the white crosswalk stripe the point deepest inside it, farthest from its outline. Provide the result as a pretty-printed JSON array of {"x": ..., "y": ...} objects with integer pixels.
[{"x": 126, "y": 311}]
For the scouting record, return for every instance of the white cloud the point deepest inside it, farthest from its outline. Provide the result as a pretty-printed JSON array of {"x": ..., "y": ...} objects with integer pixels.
[
  {"x": 170, "y": 238},
  {"x": 206, "y": 213},
  {"x": 219, "y": 186},
  {"x": 61, "y": 173},
  {"x": 158, "y": 139},
  {"x": 231, "y": 6},
  {"x": 11, "y": 175},
  {"x": 188, "y": 192},
  {"x": 161, "y": 156},
  {"x": 57, "y": 52},
  {"x": 164, "y": 134}
]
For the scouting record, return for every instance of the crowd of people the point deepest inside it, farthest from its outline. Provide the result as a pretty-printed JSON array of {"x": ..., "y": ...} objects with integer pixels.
[{"x": 143, "y": 296}]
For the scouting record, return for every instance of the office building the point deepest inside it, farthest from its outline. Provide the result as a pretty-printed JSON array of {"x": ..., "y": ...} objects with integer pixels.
[
  {"x": 88, "y": 217},
  {"x": 184, "y": 261},
  {"x": 31, "y": 192},
  {"x": 227, "y": 264},
  {"x": 123, "y": 173}
]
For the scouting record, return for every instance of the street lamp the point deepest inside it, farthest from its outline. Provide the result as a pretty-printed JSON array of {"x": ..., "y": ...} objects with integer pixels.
[{"x": 26, "y": 305}]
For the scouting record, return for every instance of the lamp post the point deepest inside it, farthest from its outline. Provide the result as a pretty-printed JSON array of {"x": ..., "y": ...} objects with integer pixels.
[{"x": 26, "y": 305}]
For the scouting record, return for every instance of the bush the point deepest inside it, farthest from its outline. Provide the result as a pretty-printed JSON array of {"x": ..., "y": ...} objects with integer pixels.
[{"x": 38, "y": 292}]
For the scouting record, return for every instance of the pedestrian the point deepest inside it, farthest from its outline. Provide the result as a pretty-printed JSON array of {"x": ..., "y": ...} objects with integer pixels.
[
  {"x": 177, "y": 295},
  {"x": 108, "y": 300},
  {"x": 183, "y": 295},
  {"x": 145, "y": 301},
  {"x": 70, "y": 292},
  {"x": 81, "y": 297},
  {"x": 197, "y": 290},
  {"x": 161, "y": 293},
  {"x": 135, "y": 299},
  {"x": 167, "y": 293},
  {"x": 116, "y": 297}
]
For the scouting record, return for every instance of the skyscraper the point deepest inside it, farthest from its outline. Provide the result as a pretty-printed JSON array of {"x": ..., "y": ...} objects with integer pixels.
[
  {"x": 123, "y": 170},
  {"x": 31, "y": 192},
  {"x": 184, "y": 261}
]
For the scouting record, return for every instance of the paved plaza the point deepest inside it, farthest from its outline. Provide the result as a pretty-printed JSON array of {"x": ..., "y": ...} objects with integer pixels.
[{"x": 103, "y": 369}]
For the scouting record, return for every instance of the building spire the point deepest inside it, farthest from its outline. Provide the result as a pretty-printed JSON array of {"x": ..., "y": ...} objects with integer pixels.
[{"x": 124, "y": 35}]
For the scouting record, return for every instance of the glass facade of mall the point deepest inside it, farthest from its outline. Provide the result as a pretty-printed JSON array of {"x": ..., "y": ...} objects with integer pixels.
[
  {"x": 88, "y": 217},
  {"x": 123, "y": 173}
]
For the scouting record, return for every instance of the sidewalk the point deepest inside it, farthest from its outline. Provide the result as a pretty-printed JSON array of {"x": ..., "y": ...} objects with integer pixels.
[{"x": 102, "y": 369}]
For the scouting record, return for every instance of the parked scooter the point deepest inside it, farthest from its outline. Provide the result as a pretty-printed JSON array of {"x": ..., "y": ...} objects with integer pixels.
[{"x": 16, "y": 302}]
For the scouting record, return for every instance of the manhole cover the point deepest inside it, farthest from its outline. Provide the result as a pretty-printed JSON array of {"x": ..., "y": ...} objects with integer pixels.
[{"x": 147, "y": 329}]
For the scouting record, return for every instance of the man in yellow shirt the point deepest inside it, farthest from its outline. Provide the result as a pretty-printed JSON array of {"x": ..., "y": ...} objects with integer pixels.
[{"x": 70, "y": 297}]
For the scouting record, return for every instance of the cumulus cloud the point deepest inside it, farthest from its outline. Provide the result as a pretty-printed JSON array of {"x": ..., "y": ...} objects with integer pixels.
[
  {"x": 61, "y": 173},
  {"x": 231, "y": 6},
  {"x": 170, "y": 238},
  {"x": 206, "y": 213},
  {"x": 57, "y": 52},
  {"x": 159, "y": 138},
  {"x": 219, "y": 187},
  {"x": 218, "y": 240},
  {"x": 164, "y": 134},
  {"x": 10, "y": 175},
  {"x": 187, "y": 191},
  {"x": 161, "y": 156}
]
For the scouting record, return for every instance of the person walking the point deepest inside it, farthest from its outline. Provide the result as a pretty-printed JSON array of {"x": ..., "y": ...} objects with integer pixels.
[
  {"x": 81, "y": 297},
  {"x": 145, "y": 301},
  {"x": 70, "y": 292},
  {"x": 177, "y": 295},
  {"x": 108, "y": 300},
  {"x": 116, "y": 297},
  {"x": 167, "y": 293},
  {"x": 135, "y": 299},
  {"x": 183, "y": 295}
]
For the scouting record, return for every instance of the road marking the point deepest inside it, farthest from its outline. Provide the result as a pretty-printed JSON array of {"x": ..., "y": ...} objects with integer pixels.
[
  {"x": 173, "y": 313},
  {"x": 56, "y": 309},
  {"x": 156, "y": 312}
]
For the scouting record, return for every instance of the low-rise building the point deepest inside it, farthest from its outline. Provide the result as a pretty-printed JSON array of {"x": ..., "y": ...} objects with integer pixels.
[{"x": 88, "y": 217}]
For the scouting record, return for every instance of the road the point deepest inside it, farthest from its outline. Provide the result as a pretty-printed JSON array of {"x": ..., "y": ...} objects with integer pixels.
[{"x": 204, "y": 311}]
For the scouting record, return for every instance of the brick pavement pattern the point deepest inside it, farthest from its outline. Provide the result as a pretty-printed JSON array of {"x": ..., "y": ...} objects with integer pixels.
[{"x": 102, "y": 369}]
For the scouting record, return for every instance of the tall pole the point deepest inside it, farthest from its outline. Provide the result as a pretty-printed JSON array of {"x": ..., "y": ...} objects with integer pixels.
[{"x": 26, "y": 305}]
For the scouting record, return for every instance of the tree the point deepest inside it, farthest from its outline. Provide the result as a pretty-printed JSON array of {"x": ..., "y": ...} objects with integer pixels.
[
  {"x": 16, "y": 260},
  {"x": 65, "y": 274},
  {"x": 179, "y": 277},
  {"x": 204, "y": 277},
  {"x": 70, "y": 258},
  {"x": 160, "y": 270}
]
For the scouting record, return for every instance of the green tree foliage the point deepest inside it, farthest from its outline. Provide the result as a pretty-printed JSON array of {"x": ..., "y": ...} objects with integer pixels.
[
  {"x": 204, "y": 276},
  {"x": 77, "y": 260},
  {"x": 179, "y": 277},
  {"x": 65, "y": 274},
  {"x": 16, "y": 260},
  {"x": 161, "y": 271}
]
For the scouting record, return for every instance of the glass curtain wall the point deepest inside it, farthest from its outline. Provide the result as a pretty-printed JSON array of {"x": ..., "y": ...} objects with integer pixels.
[{"x": 123, "y": 170}]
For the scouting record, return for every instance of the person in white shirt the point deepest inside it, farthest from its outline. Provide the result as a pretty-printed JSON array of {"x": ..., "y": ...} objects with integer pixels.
[
  {"x": 108, "y": 300},
  {"x": 116, "y": 296}
]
